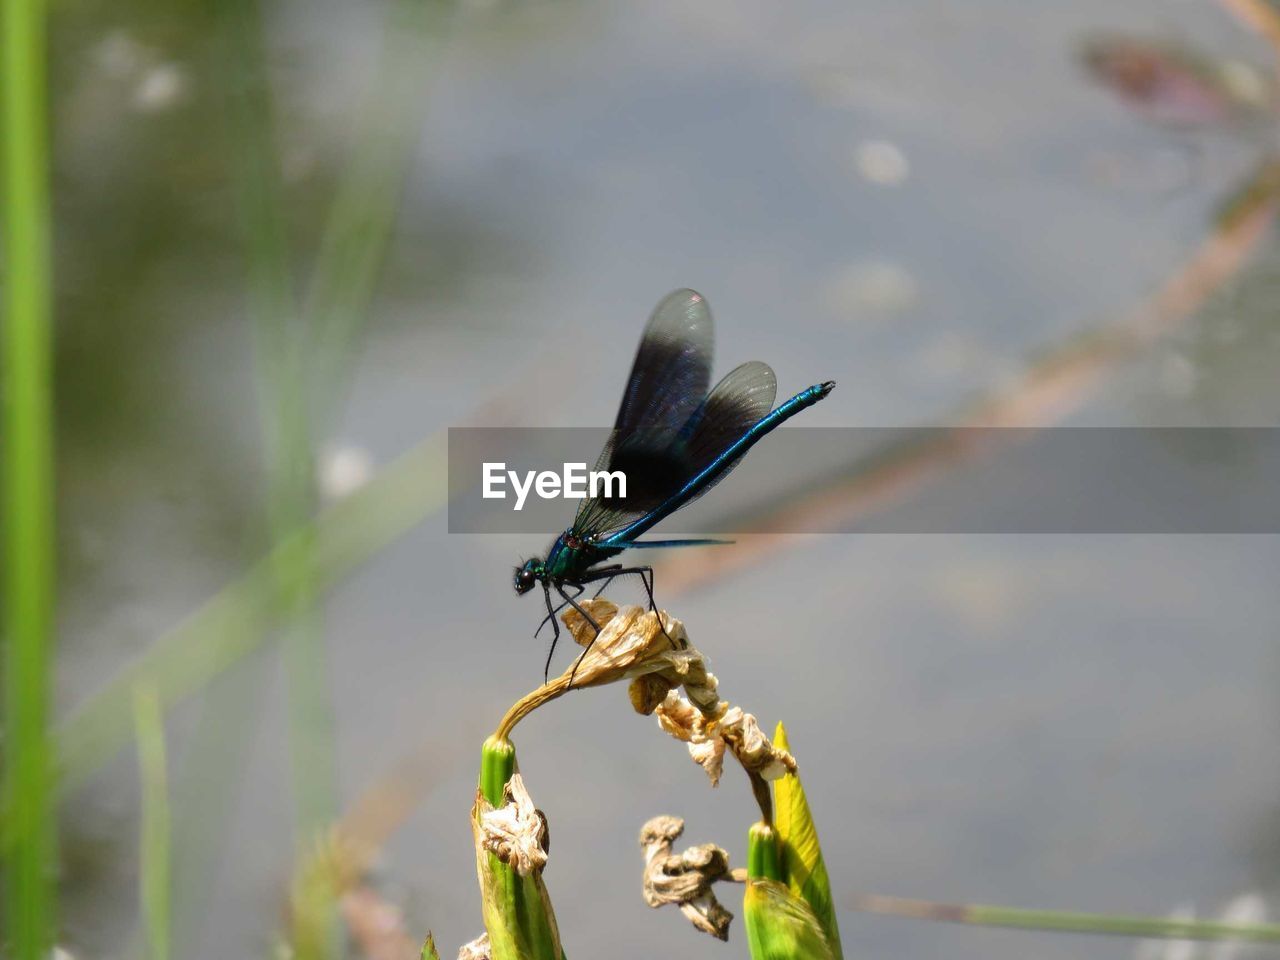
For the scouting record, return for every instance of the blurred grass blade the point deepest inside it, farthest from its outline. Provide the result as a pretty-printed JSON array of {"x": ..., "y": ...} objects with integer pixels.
[
  {"x": 780, "y": 925},
  {"x": 325, "y": 872},
  {"x": 1067, "y": 922},
  {"x": 29, "y": 837},
  {"x": 281, "y": 365},
  {"x": 343, "y": 278},
  {"x": 237, "y": 619},
  {"x": 360, "y": 222},
  {"x": 255, "y": 174},
  {"x": 154, "y": 874},
  {"x": 802, "y": 863},
  {"x": 205, "y": 788},
  {"x": 517, "y": 909}
]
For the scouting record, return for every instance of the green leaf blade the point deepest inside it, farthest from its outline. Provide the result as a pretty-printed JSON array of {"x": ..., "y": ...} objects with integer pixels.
[
  {"x": 780, "y": 925},
  {"x": 802, "y": 863}
]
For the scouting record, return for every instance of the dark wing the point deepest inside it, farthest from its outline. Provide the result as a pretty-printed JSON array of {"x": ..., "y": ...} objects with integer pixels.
[
  {"x": 668, "y": 382},
  {"x": 672, "y": 369},
  {"x": 741, "y": 400}
]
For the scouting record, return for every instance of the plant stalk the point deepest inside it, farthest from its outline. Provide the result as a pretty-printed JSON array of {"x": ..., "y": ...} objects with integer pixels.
[{"x": 29, "y": 838}]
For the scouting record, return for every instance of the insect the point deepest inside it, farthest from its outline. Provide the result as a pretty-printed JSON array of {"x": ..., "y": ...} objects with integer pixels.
[{"x": 673, "y": 441}]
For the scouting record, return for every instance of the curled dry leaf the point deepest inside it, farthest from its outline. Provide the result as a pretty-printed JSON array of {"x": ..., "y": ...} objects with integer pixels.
[
  {"x": 633, "y": 643},
  {"x": 682, "y": 720},
  {"x": 650, "y": 649},
  {"x": 516, "y": 832},
  {"x": 753, "y": 749},
  {"x": 684, "y": 879},
  {"x": 709, "y": 755},
  {"x": 732, "y": 729},
  {"x": 647, "y": 692}
]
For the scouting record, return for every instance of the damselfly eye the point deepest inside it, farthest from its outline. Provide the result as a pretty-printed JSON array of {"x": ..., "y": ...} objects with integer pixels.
[{"x": 525, "y": 579}]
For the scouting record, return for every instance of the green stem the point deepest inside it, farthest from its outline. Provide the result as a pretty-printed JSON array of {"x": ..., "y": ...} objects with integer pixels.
[
  {"x": 517, "y": 909},
  {"x": 1069, "y": 922},
  {"x": 30, "y": 838},
  {"x": 1120, "y": 925},
  {"x": 497, "y": 764},
  {"x": 764, "y": 861}
]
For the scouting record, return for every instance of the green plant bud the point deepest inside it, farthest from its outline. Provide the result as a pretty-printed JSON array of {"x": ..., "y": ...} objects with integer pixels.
[
  {"x": 510, "y": 840},
  {"x": 497, "y": 764},
  {"x": 764, "y": 856}
]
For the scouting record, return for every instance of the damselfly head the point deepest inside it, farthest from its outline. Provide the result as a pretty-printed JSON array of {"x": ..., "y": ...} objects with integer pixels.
[{"x": 527, "y": 575}]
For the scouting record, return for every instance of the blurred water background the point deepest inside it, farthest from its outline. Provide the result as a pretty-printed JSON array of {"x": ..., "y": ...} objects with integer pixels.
[{"x": 917, "y": 200}]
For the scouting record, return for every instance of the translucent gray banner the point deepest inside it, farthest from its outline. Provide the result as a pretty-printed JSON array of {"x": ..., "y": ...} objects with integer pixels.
[{"x": 881, "y": 480}]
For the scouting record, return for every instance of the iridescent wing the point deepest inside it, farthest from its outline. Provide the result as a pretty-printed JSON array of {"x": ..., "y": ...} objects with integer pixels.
[
  {"x": 668, "y": 478},
  {"x": 668, "y": 383}
]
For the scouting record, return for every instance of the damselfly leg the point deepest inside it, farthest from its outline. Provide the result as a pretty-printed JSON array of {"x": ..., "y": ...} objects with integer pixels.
[
  {"x": 573, "y": 602},
  {"x": 552, "y": 611}
]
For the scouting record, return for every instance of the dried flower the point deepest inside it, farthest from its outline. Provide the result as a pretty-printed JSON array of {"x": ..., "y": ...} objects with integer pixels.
[
  {"x": 650, "y": 649},
  {"x": 633, "y": 642},
  {"x": 732, "y": 729},
  {"x": 684, "y": 879},
  {"x": 477, "y": 949},
  {"x": 752, "y": 748},
  {"x": 516, "y": 833}
]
